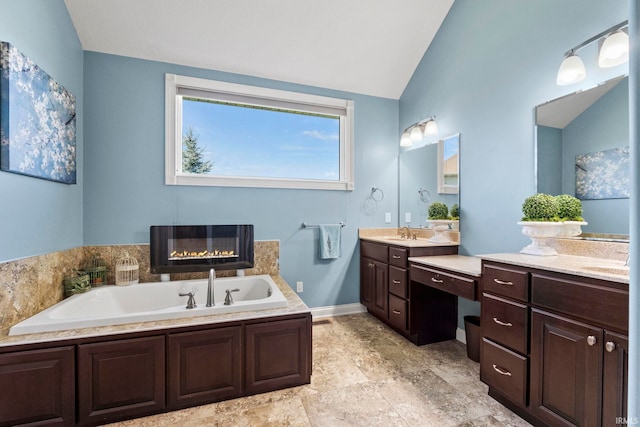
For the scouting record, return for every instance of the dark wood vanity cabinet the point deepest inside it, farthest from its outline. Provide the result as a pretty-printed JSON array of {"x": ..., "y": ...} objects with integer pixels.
[
  {"x": 554, "y": 345},
  {"x": 37, "y": 387},
  {"x": 385, "y": 289}
]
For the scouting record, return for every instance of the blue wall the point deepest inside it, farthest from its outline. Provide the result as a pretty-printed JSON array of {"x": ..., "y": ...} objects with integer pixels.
[
  {"x": 39, "y": 216},
  {"x": 549, "y": 173},
  {"x": 124, "y": 177},
  {"x": 490, "y": 63},
  {"x": 603, "y": 126}
]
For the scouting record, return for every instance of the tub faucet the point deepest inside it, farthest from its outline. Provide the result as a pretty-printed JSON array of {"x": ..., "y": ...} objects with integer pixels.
[
  {"x": 228, "y": 300},
  {"x": 212, "y": 277}
]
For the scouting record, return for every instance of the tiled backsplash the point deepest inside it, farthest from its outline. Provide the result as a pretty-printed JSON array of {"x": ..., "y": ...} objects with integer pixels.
[{"x": 29, "y": 285}]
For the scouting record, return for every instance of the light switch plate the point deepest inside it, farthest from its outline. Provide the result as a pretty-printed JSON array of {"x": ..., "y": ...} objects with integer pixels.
[
  {"x": 387, "y": 217},
  {"x": 407, "y": 217}
]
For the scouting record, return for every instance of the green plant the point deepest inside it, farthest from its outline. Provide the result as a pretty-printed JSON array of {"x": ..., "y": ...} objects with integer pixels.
[
  {"x": 438, "y": 210},
  {"x": 455, "y": 211},
  {"x": 569, "y": 208},
  {"x": 540, "y": 207}
]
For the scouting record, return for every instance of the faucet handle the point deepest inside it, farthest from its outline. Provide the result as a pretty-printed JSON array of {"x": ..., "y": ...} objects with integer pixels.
[
  {"x": 191, "y": 302},
  {"x": 228, "y": 299}
]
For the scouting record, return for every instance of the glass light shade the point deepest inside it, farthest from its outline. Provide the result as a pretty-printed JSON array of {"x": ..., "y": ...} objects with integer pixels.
[
  {"x": 571, "y": 70},
  {"x": 614, "y": 50},
  {"x": 416, "y": 134},
  {"x": 431, "y": 128},
  {"x": 405, "y": 140}
]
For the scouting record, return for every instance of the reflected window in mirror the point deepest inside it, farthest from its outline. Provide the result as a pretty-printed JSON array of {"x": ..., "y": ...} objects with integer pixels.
[
  {"x": 589, "y": 124},
  {"x": 448, "y": 164}
]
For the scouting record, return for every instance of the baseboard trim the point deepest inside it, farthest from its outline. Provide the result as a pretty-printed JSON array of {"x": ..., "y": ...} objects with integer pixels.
[
  {"x": 460, "y": 336},
  {"x": 337, "y": 310}
]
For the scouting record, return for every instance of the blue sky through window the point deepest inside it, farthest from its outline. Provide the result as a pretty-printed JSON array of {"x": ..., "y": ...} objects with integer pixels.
[{"x": 256, "y": 142}]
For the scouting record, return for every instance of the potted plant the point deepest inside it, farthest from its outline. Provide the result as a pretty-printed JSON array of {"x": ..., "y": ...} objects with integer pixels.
[
  {"x": 540, "y": 221},
  {"x": 440, "y": 221},
  {"x": 455, "y": 216},
  {"x": 570, "y": 213}
]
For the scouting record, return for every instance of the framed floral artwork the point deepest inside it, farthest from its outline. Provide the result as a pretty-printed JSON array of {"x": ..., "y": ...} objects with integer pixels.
[
  {"x": 603, "y": 174},
  {"x": 37, "y": 120}
]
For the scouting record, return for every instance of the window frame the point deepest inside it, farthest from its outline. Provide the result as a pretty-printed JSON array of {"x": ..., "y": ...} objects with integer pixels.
[{"x": 173, "y": 134}]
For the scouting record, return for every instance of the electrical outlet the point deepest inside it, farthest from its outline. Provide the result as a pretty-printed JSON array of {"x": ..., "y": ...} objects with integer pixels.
[
  {"x": 299, "y": 287},
  {"x": 387, "y": 217},
  {"x": 407, "y": 217}
]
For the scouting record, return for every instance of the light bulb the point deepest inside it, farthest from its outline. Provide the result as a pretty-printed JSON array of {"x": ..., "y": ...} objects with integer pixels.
[
  {"x": 405, "y": 140},
  {"x": 416, "y": 134},
  {"x": 431, "y": 128},
  {"x": 614, "y": 50}
]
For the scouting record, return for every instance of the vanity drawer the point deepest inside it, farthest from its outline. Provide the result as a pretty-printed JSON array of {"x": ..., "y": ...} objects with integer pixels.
[
  {"x": 374, "y": 251},
  {"x": 398, "y": 312},
  {"x": 450, "y": 283},
  {"x": 398, "y": 281},
  {"x": 506, "y": 281},
  {"x": 505, "y": 322},
  {"x": 504, "y": 371},
  {"x": 592, "y": 300},
  {"x": 398, "y": 257}
]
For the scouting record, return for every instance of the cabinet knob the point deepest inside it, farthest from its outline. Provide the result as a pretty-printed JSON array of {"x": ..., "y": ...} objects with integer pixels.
[
  {"x": 396, "y": 312},
  {"x": 502, "y": 282},
  {"x": 396, "y": 256},
  {"x": 591, "y": 340},
  {"x": 396, "y": 282},
  {"x": 434, "y": 280},
  {"x": 610, "y": 346}
]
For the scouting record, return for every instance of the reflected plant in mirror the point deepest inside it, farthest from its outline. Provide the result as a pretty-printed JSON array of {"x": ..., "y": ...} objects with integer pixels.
[
  {"x": 582, "y": 142},
  {"x": 428, "y": 173}
]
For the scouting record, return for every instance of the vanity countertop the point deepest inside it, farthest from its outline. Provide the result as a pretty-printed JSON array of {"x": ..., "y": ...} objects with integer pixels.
[
  {"x": 469, "y": 265},
  {"x": 391, "y": 236},
  {"x": 597, "y": 268},
  {"x": 295, "y": 306}
]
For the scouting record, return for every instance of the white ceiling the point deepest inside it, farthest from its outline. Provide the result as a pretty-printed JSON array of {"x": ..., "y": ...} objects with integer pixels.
[{"x": 363, "y": 46}]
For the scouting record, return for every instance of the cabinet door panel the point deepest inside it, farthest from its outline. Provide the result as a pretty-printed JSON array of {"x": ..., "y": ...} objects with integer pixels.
[
  {"x": 615, "y": 378},
  {"x": 506, "y": 281},
  {"x": 504, "y": 370},
  {"x": 380, "y": 295},
  {"x": 398, "y": 315},
  {"x": 505, "y": 322},
  {"x": 367, "y": 279},
  {"x": 278, "y": 354},
  {"x": 566, "y": 367},
  {"x": 204, "y": 366},
  {"x": 398, "y": 282},
  {"x": 37, "y": 387},
  {"x": 120, "y": 379}
]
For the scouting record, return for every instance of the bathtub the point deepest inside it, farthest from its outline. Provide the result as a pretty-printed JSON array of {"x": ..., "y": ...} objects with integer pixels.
[{"x": 116, "y": 305}]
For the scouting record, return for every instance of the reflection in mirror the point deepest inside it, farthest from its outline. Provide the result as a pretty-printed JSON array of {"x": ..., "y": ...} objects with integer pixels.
[
  {"x": 427, "y": 174},
  {"x": 582, "y": 149}
]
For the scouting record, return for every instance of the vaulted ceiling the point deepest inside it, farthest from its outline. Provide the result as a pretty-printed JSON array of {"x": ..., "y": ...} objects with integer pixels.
[{"x": 370, "y": 47}]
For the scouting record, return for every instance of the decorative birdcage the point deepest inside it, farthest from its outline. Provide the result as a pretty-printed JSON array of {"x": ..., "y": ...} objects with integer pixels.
[
  {"x": 127, "y": 272},
  {"x": 97, "y": 270},
  {"x": 76, "y": 283}
]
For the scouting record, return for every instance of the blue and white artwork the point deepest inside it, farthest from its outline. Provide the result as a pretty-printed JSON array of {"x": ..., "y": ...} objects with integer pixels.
[
  {"x": 37, "y": 120},
  {"x": 603, "y": 174}
]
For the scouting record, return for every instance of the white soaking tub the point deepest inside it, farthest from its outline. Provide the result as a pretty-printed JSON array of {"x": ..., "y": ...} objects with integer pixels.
[{"x": 116, "y": 305}]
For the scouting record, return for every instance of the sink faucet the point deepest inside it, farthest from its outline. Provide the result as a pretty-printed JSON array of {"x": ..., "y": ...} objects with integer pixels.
[
  {"x": 402, "y": 235},
  {"x": 212, "y": 277},
  {"x": 228, "y": 300}
]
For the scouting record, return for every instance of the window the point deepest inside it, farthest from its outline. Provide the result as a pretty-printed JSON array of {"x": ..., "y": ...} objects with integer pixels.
[{"x": 226, "y": 134}]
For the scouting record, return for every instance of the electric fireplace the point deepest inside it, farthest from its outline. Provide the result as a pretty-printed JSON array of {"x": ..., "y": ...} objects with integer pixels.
[{"x": 192, "y": 248}]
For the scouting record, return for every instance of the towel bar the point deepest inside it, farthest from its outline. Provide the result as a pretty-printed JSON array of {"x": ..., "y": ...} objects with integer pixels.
[{"x": 305, "y": 225}]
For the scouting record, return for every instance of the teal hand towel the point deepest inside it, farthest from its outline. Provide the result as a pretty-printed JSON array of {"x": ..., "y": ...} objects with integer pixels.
[{"x": 330, "y": 247}]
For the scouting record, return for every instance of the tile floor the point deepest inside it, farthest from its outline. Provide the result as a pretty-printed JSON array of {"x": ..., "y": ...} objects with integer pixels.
[{"x": 364, "y": 374}]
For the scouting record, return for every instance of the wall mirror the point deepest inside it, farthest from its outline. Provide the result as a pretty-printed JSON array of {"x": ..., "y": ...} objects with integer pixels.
[
  {"x": 427, "y": 173},
  {"x": 582, "y": 149}
]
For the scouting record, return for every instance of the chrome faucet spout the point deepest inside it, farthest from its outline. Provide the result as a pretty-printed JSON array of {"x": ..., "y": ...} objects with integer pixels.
[{"x": 212, "y": 278}]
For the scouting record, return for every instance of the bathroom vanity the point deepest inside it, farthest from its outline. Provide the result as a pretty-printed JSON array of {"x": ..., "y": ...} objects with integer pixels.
[
  {"x": 421, "y": 314},
  {"x": 97, "y": 375},
  {"x": 555, "y": 334}
]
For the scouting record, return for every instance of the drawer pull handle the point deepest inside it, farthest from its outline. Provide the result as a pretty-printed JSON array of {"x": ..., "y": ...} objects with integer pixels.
[
  {"x": 396, "y": 256},
  {"x": 591, "y": 340},
  {"x": 500, "y": 371},
  {"x": 495, "y": 319},
  {"x": 396, "y": 312},
  {"x": 434, "y": 280},
  {"x": 502, "y": 282},
  {"x": 397, "y": 282},
  {"x": 610, "y": 346}
]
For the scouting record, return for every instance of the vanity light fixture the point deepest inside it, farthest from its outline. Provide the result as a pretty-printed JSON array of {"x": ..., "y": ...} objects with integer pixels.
[
  {"x": 614, "y": 50},
  {"x": 418, "y": 130}
]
